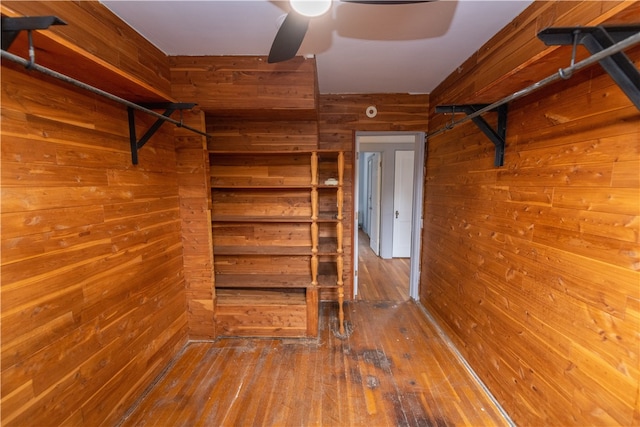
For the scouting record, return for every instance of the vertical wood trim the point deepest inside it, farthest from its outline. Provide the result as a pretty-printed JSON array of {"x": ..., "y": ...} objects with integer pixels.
[
  {"x": 313, "y": 307},
  {"x": 193, "y": 176}
]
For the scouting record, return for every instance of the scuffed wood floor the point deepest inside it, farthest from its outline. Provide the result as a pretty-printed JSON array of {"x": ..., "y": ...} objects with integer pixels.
[{"x": 393, "y": 370}]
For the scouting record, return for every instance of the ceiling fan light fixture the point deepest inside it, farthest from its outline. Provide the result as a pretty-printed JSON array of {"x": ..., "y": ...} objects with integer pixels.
[{"x": 311, "y": 8}]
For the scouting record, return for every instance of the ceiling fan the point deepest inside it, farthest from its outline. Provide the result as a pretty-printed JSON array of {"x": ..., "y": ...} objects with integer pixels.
[{"x": 294, "y": 27}]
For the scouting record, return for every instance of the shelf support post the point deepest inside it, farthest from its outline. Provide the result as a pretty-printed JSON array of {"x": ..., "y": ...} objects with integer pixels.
[
  {"x": 339, "y": 241},
  {"x": 498, "y": 136}
]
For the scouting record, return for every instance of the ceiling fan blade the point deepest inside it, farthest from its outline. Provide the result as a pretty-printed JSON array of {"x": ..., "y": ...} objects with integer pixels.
[{"x": 289, "y": 38}]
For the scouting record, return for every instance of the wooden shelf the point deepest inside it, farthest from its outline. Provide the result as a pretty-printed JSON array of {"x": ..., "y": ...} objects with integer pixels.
[
  {"x": 270, "y": 281},
  {"x": 326, "y": 253},
  {"x": 260, "y": 170},
  {"x": 262, "y": 250},
  {"x": 320, "y": 151},
  {"x": 327, "y": 249},
  {"x": 276, "y": 227},
  {"x": 260, "y": 186},
  {"x": 258, "y": 219},
  {"x": 328, "y": 281},
  {"x": 239, "y": 296},
  {"x": 266, "y": 202}
]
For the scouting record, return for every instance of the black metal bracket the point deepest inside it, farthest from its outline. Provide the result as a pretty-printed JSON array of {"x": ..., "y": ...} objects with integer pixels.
[
  {"x": 11, "y": 27},
  {"x": 595, "y": 39},
  {"x": 133, "y": 139},
  {"x": 498, "y": 136}
]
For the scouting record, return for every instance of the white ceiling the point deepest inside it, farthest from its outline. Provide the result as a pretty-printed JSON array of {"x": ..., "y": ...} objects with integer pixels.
[{"x": 358, "y": 48}]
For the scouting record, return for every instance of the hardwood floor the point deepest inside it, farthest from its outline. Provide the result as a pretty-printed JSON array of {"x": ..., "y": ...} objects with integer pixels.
[
  {"x": 380, "y": 279},
  {"x": 392, "y": 370}
]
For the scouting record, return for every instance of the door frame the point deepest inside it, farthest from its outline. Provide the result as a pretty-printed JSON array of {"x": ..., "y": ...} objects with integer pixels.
[
  {"x": 374, "y": 170},
  {"x": 418, "y": 141}
]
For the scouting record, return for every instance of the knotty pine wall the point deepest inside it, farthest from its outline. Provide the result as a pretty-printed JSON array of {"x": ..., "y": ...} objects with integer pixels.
[
  {"x": 533, "y": 268},
  {"x": 93, "y": 292}
]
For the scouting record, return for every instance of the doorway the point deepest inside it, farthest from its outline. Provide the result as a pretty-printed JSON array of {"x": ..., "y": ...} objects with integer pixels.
[{"x": 397, "y": 151}]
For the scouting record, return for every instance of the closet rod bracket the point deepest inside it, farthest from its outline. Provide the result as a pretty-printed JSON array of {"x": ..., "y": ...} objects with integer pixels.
[
  {"x": 11, "y": 27},
  {"x": 595, "y": 39},
  {"x": 169, "y": 108},
  {"x": 498, "y": 136}
]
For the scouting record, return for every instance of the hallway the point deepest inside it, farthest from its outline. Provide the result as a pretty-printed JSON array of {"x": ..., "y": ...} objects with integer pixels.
[{"x": 380, "y": 279}]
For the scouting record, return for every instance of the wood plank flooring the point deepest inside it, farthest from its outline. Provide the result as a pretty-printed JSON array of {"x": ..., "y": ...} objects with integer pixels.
[
  {"x": 380, "y": 279},
  {"x": 392, "y": 370}
]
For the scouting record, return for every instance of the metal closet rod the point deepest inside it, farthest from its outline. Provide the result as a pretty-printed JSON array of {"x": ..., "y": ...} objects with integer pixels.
[
  {"x": 562, "y": 73},
  {"x": 49, "y": 72}
]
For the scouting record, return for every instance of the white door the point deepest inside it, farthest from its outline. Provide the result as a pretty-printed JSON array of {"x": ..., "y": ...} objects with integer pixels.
[
  {"x": 374, "y": 204},
  {"x": 366, "y": 189},
  {"x": 402, "y": 204}
]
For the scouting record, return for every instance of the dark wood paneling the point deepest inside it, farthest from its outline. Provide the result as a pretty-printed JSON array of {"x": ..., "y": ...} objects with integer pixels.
[
  {"x": 532, "y": 268},
  {"x": 340, "y": 116},
  {"x": 93, "y": 301}
]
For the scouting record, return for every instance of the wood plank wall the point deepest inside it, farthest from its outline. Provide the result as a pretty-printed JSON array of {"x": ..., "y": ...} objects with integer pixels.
[
  {"x": 195, "y": 212},
  {"x": 339, "y": 117},
  {"x": 532, "y": 268},
  {"x": 93, "y": 299},
  {"x": 95, "y": 47},
  {"x": 233, "y": 134},
  {"x": 246, "y": 86},
  {"x": 515, "y": 55}
]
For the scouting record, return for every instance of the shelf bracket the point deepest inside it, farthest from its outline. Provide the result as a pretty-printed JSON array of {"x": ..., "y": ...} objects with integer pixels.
[
  {"x": 169, "y": 108},
  {"x": 498, "y": 136},
  {"x": 11, "y": 27},
  {"x": 595, "y": 39}
]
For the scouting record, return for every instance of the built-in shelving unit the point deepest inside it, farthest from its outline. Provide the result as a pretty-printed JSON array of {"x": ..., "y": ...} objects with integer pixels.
[{"x": 277, "y": 239}]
